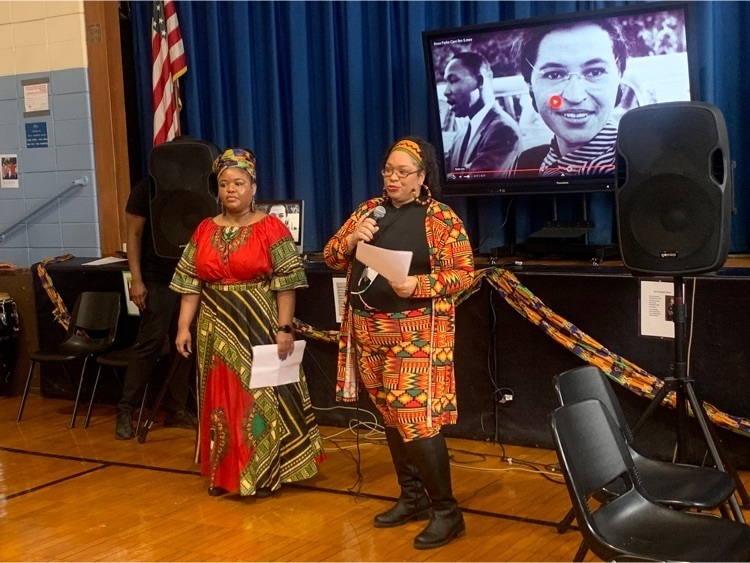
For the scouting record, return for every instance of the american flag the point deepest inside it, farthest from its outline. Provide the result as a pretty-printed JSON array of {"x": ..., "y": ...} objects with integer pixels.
[{"x": 168, "y": 64}]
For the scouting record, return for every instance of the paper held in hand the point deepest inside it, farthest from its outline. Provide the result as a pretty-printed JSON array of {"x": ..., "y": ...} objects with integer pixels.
[
  {"x": 393, "y": 265},
  {"x": 269, "y": 371}
]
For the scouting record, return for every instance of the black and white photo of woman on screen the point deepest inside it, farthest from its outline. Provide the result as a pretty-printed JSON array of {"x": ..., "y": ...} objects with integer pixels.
[{"x": 574, "y": 74}]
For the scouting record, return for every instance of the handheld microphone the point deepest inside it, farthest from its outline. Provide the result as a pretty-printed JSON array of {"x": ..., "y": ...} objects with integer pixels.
[{"x": 377, "y": 214}]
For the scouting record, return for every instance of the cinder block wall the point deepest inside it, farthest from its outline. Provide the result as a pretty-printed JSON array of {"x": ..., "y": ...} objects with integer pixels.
[{"x": 47, "y": 40}]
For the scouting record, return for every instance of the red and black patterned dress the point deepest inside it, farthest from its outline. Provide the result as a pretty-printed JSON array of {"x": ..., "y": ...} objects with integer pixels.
[{"x": 249, "y": 438}]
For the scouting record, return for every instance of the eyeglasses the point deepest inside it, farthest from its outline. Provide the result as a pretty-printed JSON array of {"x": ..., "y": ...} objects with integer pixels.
[
  {"x": 597, "y": 75},
  {"x": 388, "y": 172}
]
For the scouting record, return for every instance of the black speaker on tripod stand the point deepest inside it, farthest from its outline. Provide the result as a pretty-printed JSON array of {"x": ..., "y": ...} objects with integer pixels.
[{"x": 674, "y": 205}]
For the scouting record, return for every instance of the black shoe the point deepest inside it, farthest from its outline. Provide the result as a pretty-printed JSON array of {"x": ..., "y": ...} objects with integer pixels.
[
  {"x": 181, "y": 419},
  {"x": 405, "y": 510},
  {"x": 430, "y": 455},
  {"x": 216, "y": 491},
  {"x": 264, "y": 492},
  {"x": 413, "y": 503},
  {"x": 124, "y": 426},
  {"x": 445, "y": 525}
]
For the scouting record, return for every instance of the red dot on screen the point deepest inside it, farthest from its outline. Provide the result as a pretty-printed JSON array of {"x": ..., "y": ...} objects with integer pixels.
[{"x": 555, "y": 101}]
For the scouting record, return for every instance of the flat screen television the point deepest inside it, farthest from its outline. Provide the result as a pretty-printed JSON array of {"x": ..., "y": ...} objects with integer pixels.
[
  {"x": 543, "y": 96},
  {"x": 291, "y": 212}
]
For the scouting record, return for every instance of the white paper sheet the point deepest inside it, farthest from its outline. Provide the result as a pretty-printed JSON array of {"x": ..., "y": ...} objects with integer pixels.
[
  {"x": 269, "y": 371},
  {"x": 106, "y": 260},
  {"x": 657, "y": 299},
  {"x": 391, "y": 264}
]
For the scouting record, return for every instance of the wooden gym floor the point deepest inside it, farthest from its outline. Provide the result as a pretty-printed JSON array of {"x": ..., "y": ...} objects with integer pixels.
[{"x": 81, "y": 495}]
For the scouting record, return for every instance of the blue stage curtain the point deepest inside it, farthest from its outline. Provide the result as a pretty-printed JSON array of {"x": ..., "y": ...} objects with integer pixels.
[{"x": 320, "y": 89}]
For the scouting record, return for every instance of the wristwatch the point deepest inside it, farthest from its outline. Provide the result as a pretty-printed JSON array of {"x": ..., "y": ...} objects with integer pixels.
[{"x": 285, "y": 328}]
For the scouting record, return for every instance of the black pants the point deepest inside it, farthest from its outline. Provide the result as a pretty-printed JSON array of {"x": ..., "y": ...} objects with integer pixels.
[{"x": 159, "y": 316}]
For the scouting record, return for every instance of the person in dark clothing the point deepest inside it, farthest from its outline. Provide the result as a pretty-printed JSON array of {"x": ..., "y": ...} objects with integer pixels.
[{"x": 158, "y": 305}]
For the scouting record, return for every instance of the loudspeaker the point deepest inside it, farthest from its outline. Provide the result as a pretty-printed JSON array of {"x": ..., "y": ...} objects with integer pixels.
[
  {"x": 673, "y": 188},
  {"x": 183, "y": 191}
]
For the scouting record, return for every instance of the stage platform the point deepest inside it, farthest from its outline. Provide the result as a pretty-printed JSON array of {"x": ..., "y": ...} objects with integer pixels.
[{"x": 499, "y": 354}]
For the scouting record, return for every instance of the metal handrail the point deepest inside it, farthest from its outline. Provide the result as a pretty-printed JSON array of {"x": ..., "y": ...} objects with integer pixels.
[{"x": 82, "y": 181}]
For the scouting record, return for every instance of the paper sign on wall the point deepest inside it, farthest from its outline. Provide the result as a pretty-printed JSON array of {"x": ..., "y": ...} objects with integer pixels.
[
  {"x": 8, "y": 170},
  {"x": 36, "y": 135},
  {"x": 657, "y": 309},
  {"x": 35, "y": 97}
]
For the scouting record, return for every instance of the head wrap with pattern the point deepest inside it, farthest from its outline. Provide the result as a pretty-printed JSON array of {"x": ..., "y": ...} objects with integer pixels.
[
  {"x": 235, "y": 158},
  {"x": 411, "y": 148}
]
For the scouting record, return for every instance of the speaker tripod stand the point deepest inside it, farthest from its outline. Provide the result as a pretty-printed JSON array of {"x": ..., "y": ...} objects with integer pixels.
[
  {"x": 683, "y": 386},
  {"x": 176, "y": 363}
]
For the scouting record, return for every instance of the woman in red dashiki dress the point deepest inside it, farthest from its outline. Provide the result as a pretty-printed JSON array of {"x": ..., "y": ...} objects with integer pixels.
[{"x": 239, "y": 273}]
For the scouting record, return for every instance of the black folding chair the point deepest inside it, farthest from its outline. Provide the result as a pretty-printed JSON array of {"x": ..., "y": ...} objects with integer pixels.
[
  {"x": 91, "y": 331},
  {"x": 593, "y": 454},
  {"x": 119, "y": 359},
  {"x": 680, "y": 486}
]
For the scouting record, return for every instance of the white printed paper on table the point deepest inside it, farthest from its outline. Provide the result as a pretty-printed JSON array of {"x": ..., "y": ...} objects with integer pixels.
[
  {"x": 393, "y": 265},
  {"x": 269, "y": 371}
]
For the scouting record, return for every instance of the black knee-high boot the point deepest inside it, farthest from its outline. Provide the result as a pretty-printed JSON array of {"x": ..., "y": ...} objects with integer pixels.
[
  {"x": 413, "y": 503},
  {"x": 430, "y": 455}
]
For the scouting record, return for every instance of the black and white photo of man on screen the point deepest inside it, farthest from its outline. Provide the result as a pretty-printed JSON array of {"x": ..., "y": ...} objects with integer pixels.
[
  {"x": 489, "y": 144},
  {"x": 288, "y": 213},
  {"x": 574, "y": 74}
]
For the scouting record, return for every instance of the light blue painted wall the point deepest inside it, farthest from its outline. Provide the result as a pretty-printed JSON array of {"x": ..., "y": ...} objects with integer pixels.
[{"x": 69, "y": 224}]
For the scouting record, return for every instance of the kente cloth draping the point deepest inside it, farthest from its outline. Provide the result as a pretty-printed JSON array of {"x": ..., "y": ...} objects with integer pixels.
[{"x": 60, "y": 312}]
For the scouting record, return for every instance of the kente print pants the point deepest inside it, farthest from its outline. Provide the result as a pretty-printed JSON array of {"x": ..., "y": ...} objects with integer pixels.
[{"x": 393, "y": 358}]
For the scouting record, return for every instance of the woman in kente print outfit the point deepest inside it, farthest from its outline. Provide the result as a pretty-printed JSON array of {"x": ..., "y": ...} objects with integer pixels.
[
  {"x": 397, "y": 339},
  {"x": 239, "y": 273}
]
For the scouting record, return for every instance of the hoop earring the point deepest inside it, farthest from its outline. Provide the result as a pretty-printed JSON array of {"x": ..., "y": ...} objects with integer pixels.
[
  {"x": 428, "y": 194},
  {"x": 252, "y": 204}
]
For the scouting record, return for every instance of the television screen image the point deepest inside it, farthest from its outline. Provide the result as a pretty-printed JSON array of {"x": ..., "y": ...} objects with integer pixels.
[
  {"x": 290, "y": 212},
  {"x": 532, "y": 106}
]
